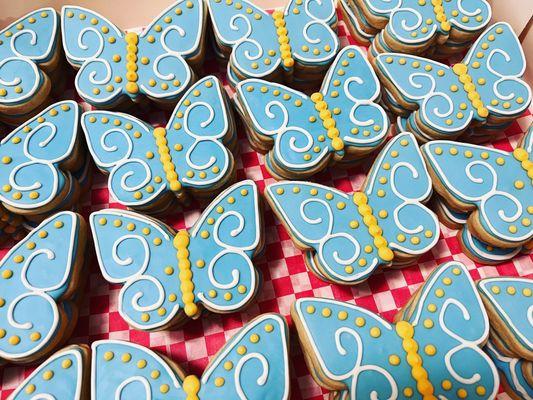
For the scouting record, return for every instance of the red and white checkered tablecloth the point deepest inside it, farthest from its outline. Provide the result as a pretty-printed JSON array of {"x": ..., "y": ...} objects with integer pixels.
[{"x": 285, "y": 277}]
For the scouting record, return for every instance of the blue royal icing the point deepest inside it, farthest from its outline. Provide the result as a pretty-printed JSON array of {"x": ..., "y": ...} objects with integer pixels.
[
  {"x": 34, "y": 278},
  {"x": 126, "y": 148},
  {"x": 254, "y": 35},
  {"x": 140, "y": 253},
  {"x": 511, "y": 299},
  {"x": 490, "y": 180},
  {"x": 60, "y": 377},
  {"x": 24, "y": 46},
  {"x": 292, "y": 120},
  {"x": 370, "y": 358},
  {"x": 491, "y": 72},
  {"x": 511, "y": 370},
  {"x": 31, "y": 157},
  {"x": 415, "y": 23},
  {"x": 158, "y": 55},
  {"x": 328, "y": 222}
]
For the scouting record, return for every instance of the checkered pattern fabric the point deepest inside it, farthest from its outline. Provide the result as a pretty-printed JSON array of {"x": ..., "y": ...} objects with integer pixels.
[{"x": 285, "y": 277}]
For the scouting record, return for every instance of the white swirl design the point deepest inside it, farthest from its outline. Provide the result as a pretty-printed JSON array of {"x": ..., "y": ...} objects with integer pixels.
[
  {"x": 23, "y": 67},
  {"x": 263, "y": 377},
  {"x": 132, "y": 380}
]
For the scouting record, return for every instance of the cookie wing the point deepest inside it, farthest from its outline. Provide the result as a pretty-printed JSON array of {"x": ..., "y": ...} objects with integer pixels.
[
  {"x": 431, "y": 87},
  {"x": 60, "y": 377},
  {"x": 197, "y": 134},
  {"x": 311, "y": 37},
  {"x": 326, "y": 221},
  {"x": 250, "y": 32},
  {"x": 397, "y": 186},
  {"x": 351, "y": 90},
  {"x": 222, "y": 244},
  {"x": 97, "y": 47},
  {"x": 349, "y": 348},
  {"x": 26, "y": 43},
  {"x": 37, "y": 276},
  {"x": 509, "y": 303},
  {"x": 137, "y": 252},
  {"x": 253, "y": 365},
  {"x": 407, "y": 20},
  {"x": 496, "y": 63},
  {"x": 172, "y": 38},
  {"x": 123, "y": 370},
  {"x": 33, "y": 153},
  {"x": 451, "y": 325},
  {"x": 491, "y": 180},
  {"x": 125, "y": 148}
]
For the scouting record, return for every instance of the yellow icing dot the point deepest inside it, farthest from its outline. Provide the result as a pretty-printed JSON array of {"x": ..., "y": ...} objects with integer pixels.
[{"x": 375, "y": 332}]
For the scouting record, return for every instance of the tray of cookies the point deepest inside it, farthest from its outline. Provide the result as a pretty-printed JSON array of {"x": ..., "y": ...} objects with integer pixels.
[{"x": 330, "y": 200}]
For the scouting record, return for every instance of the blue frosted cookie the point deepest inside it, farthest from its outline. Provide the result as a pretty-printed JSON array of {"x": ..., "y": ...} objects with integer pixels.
[
  {"x": 169, "y": 277},
  {"x": 252, "y": 365},
  {"x": 431, "y": 351},
  {"x": 150, "y": 167},
  {"x": 345, "y": 238},
  {"x": 303, "y": 134},
  {"x": 295, "y": 46},
  {"x": 116, "y": 67},
  {"x": 39, "y": 279},
  {"x": 442, "y": 102},
  {"x": 30, "y": 59}
]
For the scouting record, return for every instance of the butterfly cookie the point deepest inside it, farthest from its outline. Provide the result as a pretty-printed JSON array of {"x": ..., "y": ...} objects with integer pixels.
[
  {"x": 303, "y": 134},
  {"x": 509, "y": 306},
  {"x": 345, "y": 238},
  {"x": 168, "y": 277},
  {"x": 432, "y": 350},
  {"x": 295, "y": 45},
  {"x": 37, "y": 160},
  {"x": 253, "y": 365},
  {"x": 30, "y": 59},
  {"x": 150, "y": 167},
  {"x": 492, "y": 186},
  {"x": 39, "y": 277},
  {"x": 437, "y": 27},
  {"x": 116, "y": 67},
  {"x": 442, "y": 102}
]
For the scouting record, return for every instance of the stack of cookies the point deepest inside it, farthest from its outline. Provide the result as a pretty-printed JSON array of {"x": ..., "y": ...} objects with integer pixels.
[
  {"x": 487, "y": 194},
  {"x": 295, "y": 45},
  {"x": 432, "y": 27},
  {"x": 437, "y": 101}
]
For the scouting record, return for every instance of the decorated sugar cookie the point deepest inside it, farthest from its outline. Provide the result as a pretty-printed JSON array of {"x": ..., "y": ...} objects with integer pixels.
[
  {"x": 413, "y": 26},
  {"x": 442, "y": 102},
  {"x": 167, "y": 276},
  {"x": 114, "y": 66},
  {"x": 188, "y": 154},
  {"x": 496, "y": 186},
  {"x": 347, "y": 237},
  {"x": 253, "y": 365},
  {"x": 303, "y": 134},
  {"x": 28, "y": 53},
  {"x": 35, "y": 160},
  {"x": 38, "y": 278},
  {"x": 432, "y": 350},
  {"x": 294, "y": 45}
]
